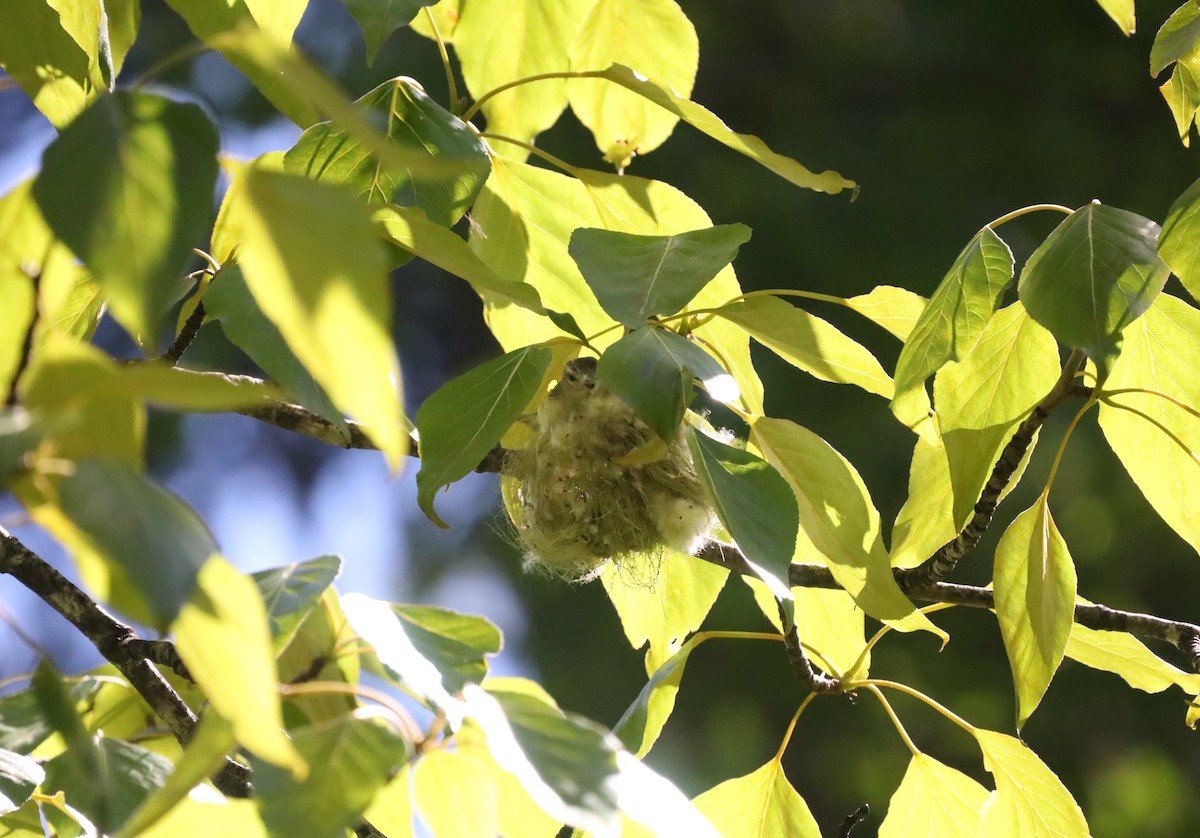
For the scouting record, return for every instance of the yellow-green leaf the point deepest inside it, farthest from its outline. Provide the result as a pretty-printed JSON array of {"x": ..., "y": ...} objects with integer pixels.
[
  {"x": 317, "y": 269},
  {"x": 668, "y": 609},
  {"x": 761, "y": 804},
  {"x": 40, "y": 55},
  {"x": 199, "y": 818},
  {"x": 981, "y": 399},
  {"x": 839, "y": 525},
  {"x": 222, "y": 636},
  {"x": 1123, "y": 654},
  {"x": 809, "y": 343},
  {"x": 1122, "y": 14},
  {"x": 1035, "y": 602},
  {"x": 1157, "y": 441},
  {"x": 1029, "y": 799},
  {"x": 934, "y": 800},
  {"x": 455, "y": 795},
  {"x": 894, "y": 309},
  {"x": 641, "y": 724},
  {"x": 656, "y": 38},
  {"x": 827, "y": 621},
  {"x": 1177, "y": 241}
]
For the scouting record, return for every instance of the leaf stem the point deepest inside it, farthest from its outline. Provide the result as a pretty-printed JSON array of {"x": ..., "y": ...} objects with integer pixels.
[
  {"x": 405, "y": 724},
  {"x": 532, "y": 149},
  {"x": 1010, "y": 216},
  {"x": 917, "y": 694},
  {"x": 562, "y": 74},
  {"x": 1062, "y": 445},
  {"x": 451, "y": 86},
  {"x": 787, "y": 736},
  {"x": 1103, "y": 394},
  {"x": 1171, "y": 434},
  {"x": 878, "y": 693}
]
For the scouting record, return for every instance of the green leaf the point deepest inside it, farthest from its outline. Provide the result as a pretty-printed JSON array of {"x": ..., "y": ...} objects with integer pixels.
[
  {"x": 981, "y": 399},
  {"x": 1157, "y": 440},
  {"x": 565, "y": 763},
  {"x": 831, "y": 624},
  {"x": 379, "y": 20},
  {"x": 652, "y": 370},
  {"x": 411, "y": 120},
  {"x": 412, "y": 230},
  {"x": 1182, "y": 94},
  {"x": 455, "y": 794},
  {"x": 198, "y": 818},
  {"x": 895, "y": 309},
  {"x": 222, "y": 636},
  {"x": 926, "y": 521},
  {"x": 23, "y": 725},
  {"x": 1177, "y": 40},
  {"x": 1123, "y": 654},
  {"x": 1093, "y": 276},
  {"x": 809, "y": 343},
  {"x": 761, "y": 804},
  {"x": 934, "y": 800},
  {"x": 159, "y": 383},
  {"x": 1177, "y": 241},
  {"x": 660, "y": 93},
  {"x": 1029, "y": 799},
  {"x": 1035, "y": 602},
  {"x": 312, "y": 259},
  {"x": 128, "y": 187},
  {"x": 839, "y": 525},
  {"x": 754, "y": 504},
  {"x": 41, "y": 56},
  {"x": 1122, "y": 13},
  {"x": 350, "y": 759},
  {"x": 642, "y": 723},
  {"x": 19, "y": 776},
  {"x": 457, "y": 644},
  {"x": 228, "y": 301},
  {"x": 953, "y": 320},
  {"x": 128, "y": 775},
  {"x": 501, "y": 43},
  {"x": 666, "y": 611},
  {"x": 461, "y": 422},
  {"x": 636, "y": 277},
  {"x": 290, "y": 592},
  {"x": 656, "y": 37},
  {"x": 152, "y": 544}
]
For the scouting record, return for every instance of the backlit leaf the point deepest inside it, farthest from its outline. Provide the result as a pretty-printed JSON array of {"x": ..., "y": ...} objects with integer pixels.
[
  {"x": 1177, "y": 39},
  {"x": 128, "y": 187},
  {"x": 754, "y": 505},
  {"x": 19, "y": 775},
  {"x": 1093, "y": 276},
  {"x": 379, "y": 20},
  {"x": 130, "y": 775},
  {"x": 461, "y": 422},
  {"x": 637, "y": 277},
  {"x": 413, "y": 121},
  {"x": 934, "y": 800},
  {"x": 1123, "y": 654},
  {"x": 1035, "y": 602},
  {"x": 455, "y": 795},
  {"x": 1121, "y": 12},
  {"x": 839, "y": 525},
  {"x": 312, "y": 260},
  {"x": 223, "y": 637},
  {"x": 655, "y": 37},
  {"x": 641, "y": 724},
  {"x": 290, "y": 592},
  {"x": 894, "y": 309},
  {"x": 809, "y": 343},
  {"x": 829, "y": 622},
  {"x": 662, "y": 94},
  {"x": 953, "y": 320},
  {"x": 761, "y": 804},
  {"x": 1029, "y": 799},
  {"x": 1157, "y": 441},
  {"x": 39, "y": 54},
  {"x": 1177, "y": 241}
]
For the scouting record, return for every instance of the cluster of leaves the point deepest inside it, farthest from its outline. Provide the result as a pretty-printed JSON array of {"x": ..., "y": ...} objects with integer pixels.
[{"x": 565, "y": 259}]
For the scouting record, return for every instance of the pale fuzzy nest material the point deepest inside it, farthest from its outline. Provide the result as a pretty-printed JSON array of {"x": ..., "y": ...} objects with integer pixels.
[{"x": 573, "y": 507}]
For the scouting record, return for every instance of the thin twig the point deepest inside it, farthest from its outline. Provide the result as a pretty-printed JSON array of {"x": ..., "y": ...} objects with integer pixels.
[
  {"x": 186, "y": 335},
  {"x": 35, "y": 277},
  {"x": 853, "y": 819}
]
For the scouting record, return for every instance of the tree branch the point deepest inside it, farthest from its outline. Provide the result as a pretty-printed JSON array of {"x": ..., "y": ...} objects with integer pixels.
[
  {"x": 186, "y": 335},
  {"x": 942, "y": 563},
  {"x": 118, "y": 643}
]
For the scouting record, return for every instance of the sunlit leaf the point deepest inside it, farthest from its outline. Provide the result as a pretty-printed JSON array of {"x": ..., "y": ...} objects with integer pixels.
[
  {"x": 653, "y": 807},
  {"x": 315, "y": 266},
  {"x": 637, "y": 277},
  {"x": 654, "y": 36},
  {"x": 411, "y": 120},
  {"x": 379, "y": 20},
  {"x": 1121, "y": 12},
  {"x": 1158, "y": 441},
  {"x": 1035, "y": 602},
  {"x": 130, "y": 774},
  {"x": 1093, "y": 276},
  {"x": 652, "y": 370},
  {"x": 761, "y": 804},
  {"x": 829, "y": 622},
  {"x": 809, "y": 343},
  {"x": 461, "y": 422},
  {"x": 1029, "y": 799},
  {"x": 455, "y": 795},
  {"x": 1123, "y": 654},
  {"x": 39, "y": 54},
  {"x": 1182, "y": 94},
  {"x": 350, "y": 759},
  {"x": 666, "y": 611},
  {"x": 754, "y": 505},
  {"x": 19, "y": 775},
  {"x": 412, "y": 230},
  {"x": 501, "y": 43},
  {"x": 934, "y": 800},
  {"x": 894, "y": 309},
  {"x": 128, "y": 187},
  {"x": 641, "y": 724},
  {"x": 1177, "y": 39},
  {"x": 458, "y": 644},
  {"x": 953, "y": 320},
  {"x": 199, "y": 818},
  {"x": 223, "y": 637},
  {"x": 1177, "y": 241},
  {"x": 981, "y": 399},
  {"x": 661, "y": 93},
  {"x": 290, "y": 592},
  {"x": 839, "y": 525}
]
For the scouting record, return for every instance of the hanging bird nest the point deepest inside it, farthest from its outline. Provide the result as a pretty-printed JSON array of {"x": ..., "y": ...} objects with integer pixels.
[{"x": 597, "y": 484}]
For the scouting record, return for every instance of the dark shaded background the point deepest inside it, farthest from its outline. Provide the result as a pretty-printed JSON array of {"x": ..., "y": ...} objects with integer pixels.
[{"x": 949, "y": 115}]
